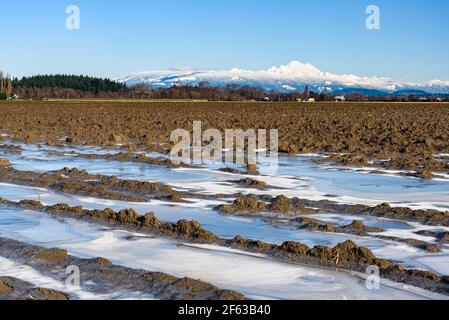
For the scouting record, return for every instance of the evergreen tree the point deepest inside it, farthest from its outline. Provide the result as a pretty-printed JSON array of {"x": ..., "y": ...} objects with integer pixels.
[{"x": 82, "y": 83}]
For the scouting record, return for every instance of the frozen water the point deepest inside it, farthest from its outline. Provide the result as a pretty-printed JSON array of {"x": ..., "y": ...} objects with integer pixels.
[
  {"x": 13, "y": 269},
  {"x": 254, "y": 275},
  {"x": 296, "y": 177}
]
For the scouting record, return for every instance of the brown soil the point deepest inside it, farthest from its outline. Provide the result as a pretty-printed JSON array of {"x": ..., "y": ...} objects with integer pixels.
[
  {"x": 183, "y": 229},
  {"x": 356, "y": 228},
  {"x": 414, "y": 243},
  {"x": 47, "y": 294},
  {"x": 192, "y": 230},
  {"x": 131, "y": 157},
  {"x": 422, "y": 163},
  {"x": 101, "y": 276},
  {"x": 252, "y": 183},
  {"x": 425, "y": 174},
  {"x": 442, "y": 237},
  {"x": 251, "y": 205},
  {"x": 410, "y": 132},
  {"x": 52, "y": 255},
  {"x": 346, "y": 159},
  {"x": 281, "y": 205},
  {"x": 237, "y": 171},
  {"x": 80, "y": 182},
  {"x": 4, "y": 162},
  {"x": 311, "y": 224},
  {"x": 11, "y": 148},
  {"x": 16, "y": 289},
  {"x": 346, "y": 255},
  {"x": 429, "y": 217},
  {"x": 5, "y": 287}
]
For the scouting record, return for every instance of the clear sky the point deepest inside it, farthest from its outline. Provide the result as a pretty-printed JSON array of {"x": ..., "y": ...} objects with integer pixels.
[{"x": 119, "y": 37}]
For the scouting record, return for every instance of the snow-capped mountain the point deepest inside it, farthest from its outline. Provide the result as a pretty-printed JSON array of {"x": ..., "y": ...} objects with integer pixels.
[{"x": 288, "y": 78}]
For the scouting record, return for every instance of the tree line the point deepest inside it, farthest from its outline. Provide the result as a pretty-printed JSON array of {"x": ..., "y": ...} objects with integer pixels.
[
  {"x": 82, "y": 87},
  {"x": 62, "y": 81}
]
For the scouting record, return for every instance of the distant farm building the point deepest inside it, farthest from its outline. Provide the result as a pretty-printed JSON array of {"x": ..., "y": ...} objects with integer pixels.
[
  {"x": 306, "y": 100},
  {"x": 340, "y": 98}
]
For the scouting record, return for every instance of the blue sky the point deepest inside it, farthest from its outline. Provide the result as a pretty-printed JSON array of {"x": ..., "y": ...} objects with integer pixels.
[{"x": 120, "y": 37}]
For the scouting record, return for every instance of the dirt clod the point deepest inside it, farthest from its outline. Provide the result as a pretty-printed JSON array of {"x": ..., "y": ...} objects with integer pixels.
[{"x": 54, "y": 255}]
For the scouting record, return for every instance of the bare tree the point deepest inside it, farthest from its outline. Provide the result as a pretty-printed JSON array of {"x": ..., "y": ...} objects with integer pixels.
[
  {"x": 2, "y": 83},
  {"x": 8, "y": 86}
]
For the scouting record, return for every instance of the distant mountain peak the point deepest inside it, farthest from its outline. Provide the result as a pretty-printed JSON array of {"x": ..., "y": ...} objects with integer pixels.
[
  {"x": 296, "y": 69},
  {"x": 285, "y": 78}
]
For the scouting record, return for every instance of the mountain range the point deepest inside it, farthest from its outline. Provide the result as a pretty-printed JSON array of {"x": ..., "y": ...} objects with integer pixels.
[{"x": 292, "y": 77}]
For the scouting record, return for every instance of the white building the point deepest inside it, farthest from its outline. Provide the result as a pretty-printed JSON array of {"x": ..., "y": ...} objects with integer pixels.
[
  {"x": 340, "y": 98},
  {"x": 306, "y": 100}
]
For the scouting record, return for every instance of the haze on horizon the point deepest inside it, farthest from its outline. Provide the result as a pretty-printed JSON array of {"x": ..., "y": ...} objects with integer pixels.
[{"x": 119, "y": 38}]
